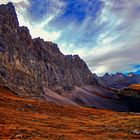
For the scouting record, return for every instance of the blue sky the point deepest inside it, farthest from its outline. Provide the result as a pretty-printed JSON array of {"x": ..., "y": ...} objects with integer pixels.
[{"x": 105, "y": 33}]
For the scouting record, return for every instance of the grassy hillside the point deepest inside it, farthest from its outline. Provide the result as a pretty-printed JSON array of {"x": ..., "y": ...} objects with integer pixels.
[{"x": 35, "y": 120}]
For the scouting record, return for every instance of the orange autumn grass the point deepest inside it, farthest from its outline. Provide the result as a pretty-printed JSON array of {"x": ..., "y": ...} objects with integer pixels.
[
  {"x": 36, "y": 120},
  {"x": 135, "y": 86}
]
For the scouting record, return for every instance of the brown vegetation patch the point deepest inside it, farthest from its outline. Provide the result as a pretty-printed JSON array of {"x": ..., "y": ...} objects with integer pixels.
[{"x": 34, "y": 120}]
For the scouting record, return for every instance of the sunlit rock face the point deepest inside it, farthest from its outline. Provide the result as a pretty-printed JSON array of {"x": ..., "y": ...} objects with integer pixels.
[{"x": 30, "y": 66}]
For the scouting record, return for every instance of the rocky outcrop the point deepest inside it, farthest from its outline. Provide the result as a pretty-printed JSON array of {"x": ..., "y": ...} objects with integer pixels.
[
  {"x": 31, "y": 66},
  {"x": 118, "y": 80},
  {"x": 131, "y": 95}
]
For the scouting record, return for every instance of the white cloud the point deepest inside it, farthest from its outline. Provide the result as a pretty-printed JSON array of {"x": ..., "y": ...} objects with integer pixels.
[{"x": 100, "y": 69}]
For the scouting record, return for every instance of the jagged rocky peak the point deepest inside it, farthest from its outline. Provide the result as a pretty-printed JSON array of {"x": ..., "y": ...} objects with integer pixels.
[
  {"x": 106, "y": 74},
  {"x": 95, "y": 79},
  {"x": 120, "y": 74},
  {"x": 47, "y": 44},
  {"x": 9, "y": 17},
  {"x": 117, "y": 74},
  {"x": 118, "y": 80},
  {"x": 95, "y": 75},
  {"x": 32, "y": 65}
]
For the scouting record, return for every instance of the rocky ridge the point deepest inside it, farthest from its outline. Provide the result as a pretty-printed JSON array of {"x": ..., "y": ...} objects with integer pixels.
[
  {"x": 118, "y": 80},
  {"x": 33, "y": 65}
]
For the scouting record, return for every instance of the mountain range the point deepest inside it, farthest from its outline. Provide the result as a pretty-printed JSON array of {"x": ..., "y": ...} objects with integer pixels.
[
  {"x": 34, "y": 68},
  {"x": 118, "y": 80}
]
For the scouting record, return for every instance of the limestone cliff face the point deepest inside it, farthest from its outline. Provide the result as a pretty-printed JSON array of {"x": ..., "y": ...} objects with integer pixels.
[{"x": 32, "y": 65}]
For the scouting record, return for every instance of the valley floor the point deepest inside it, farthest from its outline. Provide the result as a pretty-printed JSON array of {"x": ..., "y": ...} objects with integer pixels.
[{"x": 35, "y": 120}]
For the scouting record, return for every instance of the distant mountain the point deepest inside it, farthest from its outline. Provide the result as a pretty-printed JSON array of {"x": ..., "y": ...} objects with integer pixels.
[{"x": 118, "y": 80}]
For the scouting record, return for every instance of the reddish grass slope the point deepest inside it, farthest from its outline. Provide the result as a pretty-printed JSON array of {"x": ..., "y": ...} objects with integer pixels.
[
  {"x": 35, "y": 120},
  {"x": 135, "y": 87}
]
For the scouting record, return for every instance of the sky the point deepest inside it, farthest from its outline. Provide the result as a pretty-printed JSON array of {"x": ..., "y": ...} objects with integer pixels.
[{"x": 104, "y": 33}]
